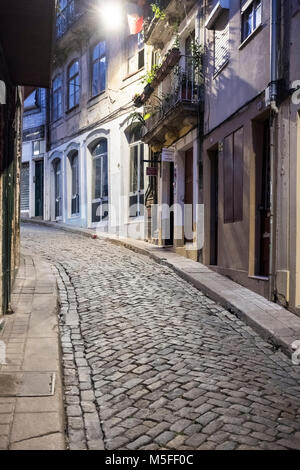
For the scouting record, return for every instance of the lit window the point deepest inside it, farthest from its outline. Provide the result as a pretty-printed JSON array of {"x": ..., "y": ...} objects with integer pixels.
[
  {"x": 136, "y": 182},
  {"x": 100, "y": 182},
  {"x": 73, "y": 85},
  {"x": 251, "y": 18},
  {"x": 56, "y": 98},
  {"x": 99, "y": 68},
  {"x": 75, "y": 184},
  {"x": 36, "y": 147}
]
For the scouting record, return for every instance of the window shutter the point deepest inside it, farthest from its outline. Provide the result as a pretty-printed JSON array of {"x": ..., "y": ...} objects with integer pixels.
[
  {"x": 238, "y": 176},
  {"x": 221, "y": 41},
  {"x": 228, "y": 179}
]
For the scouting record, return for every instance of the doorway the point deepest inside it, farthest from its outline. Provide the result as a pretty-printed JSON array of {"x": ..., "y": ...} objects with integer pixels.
[
  {"x": 188, "y": 197},
  {"x": 170, "y": 241},
  {"x": 214, "y": 211},
  {"x": 263, "y": 173},
  {"x": 39, "y": 188}
]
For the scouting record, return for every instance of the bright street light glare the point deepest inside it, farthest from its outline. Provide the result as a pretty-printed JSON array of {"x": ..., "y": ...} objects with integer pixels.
[{"x": 111, "y": 13}]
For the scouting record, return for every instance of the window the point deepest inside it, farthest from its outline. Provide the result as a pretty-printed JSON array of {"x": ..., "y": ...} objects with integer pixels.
[
  {"x": 233, "y": 168},
  {"x": 251, "y": 18},
  {"x": 99, "y": 68},
  {"x": 65, "y": 16},
  {"x": 57, "y": 189},
  {"x": 136, "y": 54},
  {"x": 75, "y": 184},
  {"x": 99, "y": 182},
  {"x": 221, "y": 41},
  {"x": 36, "y": 147},
  {"x": 57, "y": 98},
  {"x": 136, "y": 183},
  {"x": 73, "y": 85},
  {"x": 31, "y": 102}
]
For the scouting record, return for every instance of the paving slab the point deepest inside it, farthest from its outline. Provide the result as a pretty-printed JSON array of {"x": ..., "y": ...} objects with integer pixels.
[{"x": 30, "y": 382}]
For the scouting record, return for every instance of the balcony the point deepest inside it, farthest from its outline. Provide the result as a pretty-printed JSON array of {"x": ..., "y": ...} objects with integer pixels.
[
  {"x": 158, "y": 29},
  {"x": 177, "y": 112}
]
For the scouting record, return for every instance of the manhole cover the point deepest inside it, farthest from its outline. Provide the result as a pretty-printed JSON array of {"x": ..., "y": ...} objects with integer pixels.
[{"x": 27, "y": 384}]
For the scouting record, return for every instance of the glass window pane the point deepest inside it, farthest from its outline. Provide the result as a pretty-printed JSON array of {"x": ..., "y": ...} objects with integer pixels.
[
  {"x": 102, "y": 48},
  {"x": 96, "y": 52},
  {"x": 104, "y": 176},
  {"x": 102, "y": 74},
  {"x": 141, "y": 167},
  {"x": 95, "y": 82},
  {"x": 96, "y": 183},
  {"x": 258, "y": 14},
  {"x": 134, "y": 169},
  {"x": 100, "y": 148},
  {"x": 77, "y": 89},
  {"x": 74, "y": 69}
]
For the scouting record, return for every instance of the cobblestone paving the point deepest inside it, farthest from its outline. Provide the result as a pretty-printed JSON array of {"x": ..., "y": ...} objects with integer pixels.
[{"x": 152, "y": 363}]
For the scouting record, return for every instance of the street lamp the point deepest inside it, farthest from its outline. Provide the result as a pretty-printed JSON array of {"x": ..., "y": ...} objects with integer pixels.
[{"x": 111, "y": 13}]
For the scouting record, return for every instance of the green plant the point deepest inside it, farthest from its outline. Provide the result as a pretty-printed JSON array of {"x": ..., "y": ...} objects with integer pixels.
[
  {"x": 136, "y": 116},
  {"x": 158, "y": 12},
  {"x": 150, "y": 76}
]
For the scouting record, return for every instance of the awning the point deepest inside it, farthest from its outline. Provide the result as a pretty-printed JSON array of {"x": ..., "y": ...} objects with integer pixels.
[{"x": 26, "y": 35}]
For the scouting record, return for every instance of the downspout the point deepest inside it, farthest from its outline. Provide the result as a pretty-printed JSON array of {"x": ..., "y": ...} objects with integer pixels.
[{"x": 273, "y": 120}]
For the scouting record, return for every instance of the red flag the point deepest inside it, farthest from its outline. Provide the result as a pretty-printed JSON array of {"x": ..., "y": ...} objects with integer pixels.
[{"x": 135, "y": 17}]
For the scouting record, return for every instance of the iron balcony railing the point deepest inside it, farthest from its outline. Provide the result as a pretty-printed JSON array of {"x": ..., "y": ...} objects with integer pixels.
[
  {"x": 65, "y": 18},
  {"x": 185, "y": 87}
]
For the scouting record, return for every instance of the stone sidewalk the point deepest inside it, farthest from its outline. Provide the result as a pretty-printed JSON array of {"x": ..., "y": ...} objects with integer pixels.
[
  {"x": 31, "y": 405},
  {"x": 271, "y": 321}
]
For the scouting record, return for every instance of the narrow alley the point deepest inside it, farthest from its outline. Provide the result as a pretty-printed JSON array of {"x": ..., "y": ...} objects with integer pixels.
[{"x": 149, "y": 362}]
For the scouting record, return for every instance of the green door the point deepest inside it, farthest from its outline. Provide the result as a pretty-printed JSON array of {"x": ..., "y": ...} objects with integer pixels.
[{"x": 39, "y": 188}]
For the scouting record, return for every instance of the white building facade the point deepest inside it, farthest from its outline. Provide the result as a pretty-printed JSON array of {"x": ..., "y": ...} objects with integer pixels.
[{"x": 94, "y": 171}]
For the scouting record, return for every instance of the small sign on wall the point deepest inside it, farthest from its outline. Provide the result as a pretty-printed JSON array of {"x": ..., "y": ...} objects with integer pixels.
[
  {"x": 168, "y": 154},
  {"x": 151, "y": 171}
]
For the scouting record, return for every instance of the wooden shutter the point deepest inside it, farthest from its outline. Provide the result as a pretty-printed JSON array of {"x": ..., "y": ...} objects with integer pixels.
[
  {"x": 228, "y": 179},
  {"x": 221, "y": 41},
  {"x": 238, "y": 170},
  {"x": 25, "y": 187}
]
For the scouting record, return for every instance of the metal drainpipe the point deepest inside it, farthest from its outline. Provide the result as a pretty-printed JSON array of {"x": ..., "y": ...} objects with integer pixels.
[{"x": 274, "y": 114}]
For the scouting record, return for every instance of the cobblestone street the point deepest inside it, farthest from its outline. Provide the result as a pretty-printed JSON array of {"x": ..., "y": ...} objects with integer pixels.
[{"x": 149, "y": 362}]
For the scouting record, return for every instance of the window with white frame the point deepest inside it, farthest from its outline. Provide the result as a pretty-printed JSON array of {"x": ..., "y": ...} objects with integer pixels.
[
  {"x": 99, "y": 68},
  {"x": 99, "y": 181},
  {"x": 57, "y": 98},
  {"x": 75, "y": 184},
  {"x": 57, "y": 189},
  {"x": 73, "y": 84},
  {"x": 221, "y": 41},
  {"x": 251, "y": 17},
  {"x": 136, "y": 53},
  {"x": 136, "y": 174},
  {"x": 36, "y": 147}
]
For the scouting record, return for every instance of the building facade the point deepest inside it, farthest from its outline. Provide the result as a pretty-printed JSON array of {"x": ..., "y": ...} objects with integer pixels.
[
  {"x": 173, "y": 129},
  {"x": 251, "y": 146},
  {"x": 94, "y": 170},
  {"x": 34, "y": 147}
]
